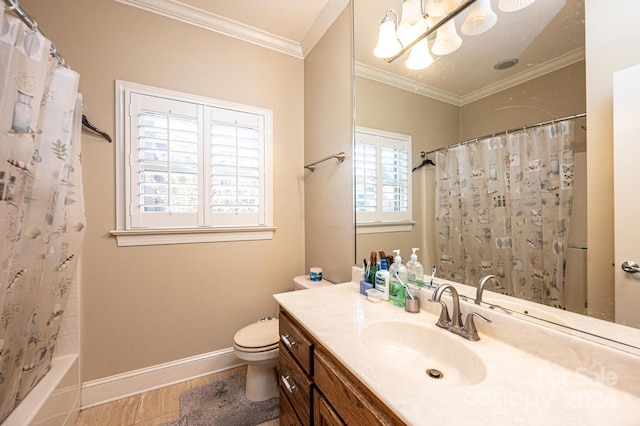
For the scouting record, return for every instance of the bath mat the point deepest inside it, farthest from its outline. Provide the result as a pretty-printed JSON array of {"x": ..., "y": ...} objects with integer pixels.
[{"x": 223, "y": 403}]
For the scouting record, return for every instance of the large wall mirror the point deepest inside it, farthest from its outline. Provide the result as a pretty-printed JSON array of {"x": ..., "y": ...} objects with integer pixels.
[{"x": 528, "y": 68}]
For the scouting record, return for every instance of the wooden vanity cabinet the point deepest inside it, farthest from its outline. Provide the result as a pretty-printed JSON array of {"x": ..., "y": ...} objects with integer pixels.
[{"x": 316, "y": 389}]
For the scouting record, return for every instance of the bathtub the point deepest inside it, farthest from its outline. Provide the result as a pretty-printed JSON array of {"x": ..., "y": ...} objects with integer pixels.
[{"x": 55, "y": 400}]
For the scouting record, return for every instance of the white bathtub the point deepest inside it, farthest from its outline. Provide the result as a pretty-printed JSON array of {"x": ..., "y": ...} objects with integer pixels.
[{"x": 55, "y": 400}]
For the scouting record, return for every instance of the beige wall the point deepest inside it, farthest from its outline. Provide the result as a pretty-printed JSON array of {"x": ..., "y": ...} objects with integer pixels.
[
  {"x": 612, "y": 36},
  {"x": 558, "y": 94},
  {"x": 143, "y": 306},
  {"x": 328, "y": 104}
]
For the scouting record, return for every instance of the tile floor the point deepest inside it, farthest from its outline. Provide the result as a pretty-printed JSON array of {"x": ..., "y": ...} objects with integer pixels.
[{"x": 151, "y": 408}]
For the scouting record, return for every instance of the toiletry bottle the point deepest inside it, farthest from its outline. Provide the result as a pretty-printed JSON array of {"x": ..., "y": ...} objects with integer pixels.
[
  {"x": 382, "y": 280},
  {"x": 415, "y": 270},
  {"x": 397, "y": 276}
]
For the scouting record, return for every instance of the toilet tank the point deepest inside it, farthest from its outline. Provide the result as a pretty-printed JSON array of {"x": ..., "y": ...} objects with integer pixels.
[{"x": 302, "y": 282}]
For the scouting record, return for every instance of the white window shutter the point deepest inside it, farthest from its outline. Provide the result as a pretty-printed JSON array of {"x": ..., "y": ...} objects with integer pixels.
[
  {"x": 382, "y": 183},
  {"x": 164, "y": 153}
]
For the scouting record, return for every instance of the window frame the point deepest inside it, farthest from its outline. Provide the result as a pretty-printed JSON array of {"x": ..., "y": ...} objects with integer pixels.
[
  {"x": 380, "y": 222},
  {"x": 128, "y": 235}
]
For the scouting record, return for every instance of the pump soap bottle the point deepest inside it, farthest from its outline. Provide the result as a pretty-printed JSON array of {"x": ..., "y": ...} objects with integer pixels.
[
  {"x": 415, "y": 270},
  {"x": 397, "y": 279}
]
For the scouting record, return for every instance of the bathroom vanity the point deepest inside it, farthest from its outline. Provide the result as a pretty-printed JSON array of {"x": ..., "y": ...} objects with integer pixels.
[
  {"x": 311, "y": 377},
  {"x": 345, "y": 360}
]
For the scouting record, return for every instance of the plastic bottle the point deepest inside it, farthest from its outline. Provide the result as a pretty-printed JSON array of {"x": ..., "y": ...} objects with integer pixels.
[
  {"x": 382, "y": 280},
  {"x": 396, "y": 289},
  {"x": 415, "y": 270}
]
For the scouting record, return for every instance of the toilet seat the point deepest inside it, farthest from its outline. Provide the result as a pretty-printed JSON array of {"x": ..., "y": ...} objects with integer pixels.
[{"x": 261, "y": 336}]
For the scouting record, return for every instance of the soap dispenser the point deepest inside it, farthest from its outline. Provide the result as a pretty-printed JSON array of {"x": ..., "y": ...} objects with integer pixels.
[
  {"x": 415, "y": 270},
  {"x": 397, "y": 280}
]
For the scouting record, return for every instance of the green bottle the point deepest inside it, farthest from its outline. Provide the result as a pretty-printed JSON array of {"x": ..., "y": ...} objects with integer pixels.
[{"x": 397, "y": 276}]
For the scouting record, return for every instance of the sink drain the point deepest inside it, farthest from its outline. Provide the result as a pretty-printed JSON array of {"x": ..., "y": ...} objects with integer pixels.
[{"x": 435, "y": 374}]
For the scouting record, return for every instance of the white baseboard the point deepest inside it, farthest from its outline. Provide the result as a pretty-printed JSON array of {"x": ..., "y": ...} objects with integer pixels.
[{"x": 101, "y": 391}]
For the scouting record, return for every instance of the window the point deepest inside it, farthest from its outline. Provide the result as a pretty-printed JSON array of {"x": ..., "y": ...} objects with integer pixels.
[
  {"x": 191, "y": 169},
  {"x": 382, "y": 183}
]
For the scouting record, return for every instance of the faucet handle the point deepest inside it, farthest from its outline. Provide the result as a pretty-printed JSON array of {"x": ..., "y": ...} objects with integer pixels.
[
  {"x": 469, "y": 330},
  {"x": 445, "y": 320}
]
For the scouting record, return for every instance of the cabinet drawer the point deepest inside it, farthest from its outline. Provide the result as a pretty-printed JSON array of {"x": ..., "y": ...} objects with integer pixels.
[
  {"x": 296, "y": 341},
  {"x": 288, "y": 416},
  {"x": 295, "y": 384},
  {"x": 355, "y": 404}
]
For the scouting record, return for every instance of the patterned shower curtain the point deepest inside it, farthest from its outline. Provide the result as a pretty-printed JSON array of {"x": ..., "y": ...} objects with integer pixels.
[
  {"x": 41, "y": 205},
  {"x": 503, "y": 206}
]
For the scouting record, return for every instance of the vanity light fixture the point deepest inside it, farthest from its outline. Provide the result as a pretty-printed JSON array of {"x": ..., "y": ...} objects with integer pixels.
[{"x": 421, "y": 18}]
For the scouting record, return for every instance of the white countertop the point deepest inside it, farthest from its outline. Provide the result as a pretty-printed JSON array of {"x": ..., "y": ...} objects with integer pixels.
[{"x": 519, "y": 388}]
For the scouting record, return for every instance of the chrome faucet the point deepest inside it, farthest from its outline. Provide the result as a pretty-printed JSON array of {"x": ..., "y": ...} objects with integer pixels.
[
  {"x": 481, "y": 284},
  {"x": 455, "y": 325}
]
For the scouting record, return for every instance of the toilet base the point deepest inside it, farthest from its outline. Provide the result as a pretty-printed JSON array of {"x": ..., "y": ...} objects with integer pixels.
[{"x": 262, "y": 383}]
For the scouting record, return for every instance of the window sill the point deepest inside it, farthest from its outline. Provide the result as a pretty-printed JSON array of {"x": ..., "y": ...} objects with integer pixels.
[
  {"x": 149, "y": 237},
  {"x": 381, "y": 227}
]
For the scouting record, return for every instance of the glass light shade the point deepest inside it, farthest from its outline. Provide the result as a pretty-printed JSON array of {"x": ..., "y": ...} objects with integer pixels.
[
  {"x": 480, "y": 19},
  {"x": 408, "y": 33},
  {"x": 419, "y": 58},
  {"x": 447, "y": 39},
  {"x": 388, "y": 44},
  {"x": 513, "y": 5},
  {"x": 411, "y": 12},
  {"x": 441, "y": 7}
]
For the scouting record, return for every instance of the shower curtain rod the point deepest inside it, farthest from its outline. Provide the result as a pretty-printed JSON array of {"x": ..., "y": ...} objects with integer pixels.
[
  {"x": 14, "y": 6},
  {"x": 504, "y": 132}
]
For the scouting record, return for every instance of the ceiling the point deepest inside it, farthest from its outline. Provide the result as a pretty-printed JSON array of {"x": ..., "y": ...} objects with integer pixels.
[{"x": 545, "y": 36}]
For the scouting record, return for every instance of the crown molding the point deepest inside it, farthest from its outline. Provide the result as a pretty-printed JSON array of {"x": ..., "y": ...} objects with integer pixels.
[
  {"x": 424, "y": 90},
  {"x": 403, "y": 83},
  {"x": 194, "y": 16},
  {"x": 327, "y": 17}
]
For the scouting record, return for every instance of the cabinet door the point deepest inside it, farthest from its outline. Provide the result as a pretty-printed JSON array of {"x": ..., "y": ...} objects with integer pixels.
[
  {"x": 323, "y": 413},
  {"x": 349, "y": 398}
]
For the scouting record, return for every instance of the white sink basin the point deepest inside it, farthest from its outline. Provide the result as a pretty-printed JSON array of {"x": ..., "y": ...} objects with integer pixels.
[
  {"x": 528, "y": 310},
  {"x": 413, "y": 349}
]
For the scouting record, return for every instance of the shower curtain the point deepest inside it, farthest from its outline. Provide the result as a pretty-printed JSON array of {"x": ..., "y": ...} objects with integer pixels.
[
  {"x": 41, "y": 204},
  {"x": 503, "y": 206}
]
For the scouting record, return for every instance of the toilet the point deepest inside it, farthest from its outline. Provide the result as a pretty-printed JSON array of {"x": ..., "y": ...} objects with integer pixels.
[{"x": 257, "y": 346}]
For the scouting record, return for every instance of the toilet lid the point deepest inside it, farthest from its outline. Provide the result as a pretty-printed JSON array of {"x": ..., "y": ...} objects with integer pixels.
[{"x": 262, "y": 335}]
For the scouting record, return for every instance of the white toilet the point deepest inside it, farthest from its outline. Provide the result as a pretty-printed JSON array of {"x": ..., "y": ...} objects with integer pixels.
[{"x": 257, "y": 345}]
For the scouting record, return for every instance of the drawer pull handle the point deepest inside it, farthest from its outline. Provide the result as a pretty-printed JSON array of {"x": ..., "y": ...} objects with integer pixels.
[
  {"x": 285, "y": 380},
  {"x": 285, "y": 339}
]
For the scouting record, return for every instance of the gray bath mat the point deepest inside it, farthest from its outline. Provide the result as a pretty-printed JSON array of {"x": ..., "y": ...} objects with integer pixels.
[{"x": 223, "y": 403}]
